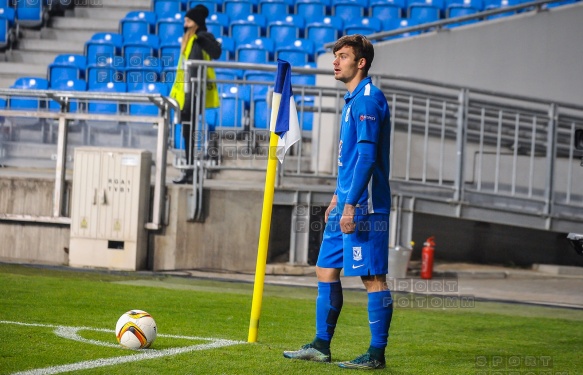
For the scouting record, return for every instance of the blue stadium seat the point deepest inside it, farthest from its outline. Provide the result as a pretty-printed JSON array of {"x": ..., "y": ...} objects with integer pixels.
[
  {"x": 252, "y": 53},
  {"x": 439, "y": 4},
  {"x": 103, "y": 107},
  {"x": 139, "y": 49},
  {"x": 30, "y": 13},
  {"x": 259, "y": 90},
  {"x": 387, "y": 9},
  {"x": 274, "y": 9},
  {"x": 99, "y": 75},
  {"x": 295, "y": 56},
  {"x": 169, "y": 55},
  {"x": 266, "y": 43},
  {"x": 228, "y": 47},
  {"x": 560, "y": 3},
  {"x": 497, "y": 4},
  {"x": 232, "y": 110},
  {"x": 306, "y": 45},
  {"x": 348, "y": 10},
  {"x": 215, "y": 27},
  {"x": 401, "y": 23},
  {"x": 27, "y": 83},
  {"x": 322, "y": 32},
  {"x": 100, "y": 53},
  {"x": 282, "y": 30},
  {"x": 213, "y": 6},
  {"x": 114, "y": 38},
  {"x": 169, "y": 31},
  {"x": 424, "y": 13},
  {"x": 166, "y": 8},
  {"x": 477, "y": 5},
  {"x": 262, "y": 113},
  {"x": 460, "y": 12},
  {"x": 364, "y": 26},
  {"x": 168, "y": 76},
  {"x": 221, "y": 19},
  {"x": 305, "y": 117},
  {"x": 67, "y": 85},
  {"x": 146, "y": 109},
  {"x": 150, "y": 17},
  {"x": 243, "y": 31},
  {"x": 259, "y": 19},
  {"x": 9, "y": 14},
  {"x": 6, "y": 33},
  {"x": 312, "y": 11},
  {"x": 67, "y": 67},
  {"x": 237, "y": 9},
  {"x": 295, "y": 19},
  {"x": 133, "y": 26},
  {"x": 137, "y": 77}
]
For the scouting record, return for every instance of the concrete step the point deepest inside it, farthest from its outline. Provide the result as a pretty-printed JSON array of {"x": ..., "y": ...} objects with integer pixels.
[
  {"x": 36, "y": 58},
  {"x": 66, "y": 35},
  {"x": 6, "y": 80},
  {"x": 85, "y": 24},
  {"x": 19, "y": 69},
  {"x": 105, "y": 13},
  {"x": 50, "y": 45},
  {"x": 138, "y": 4}
]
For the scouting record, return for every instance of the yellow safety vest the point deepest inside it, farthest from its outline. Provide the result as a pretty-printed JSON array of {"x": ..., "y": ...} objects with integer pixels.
[{"x": 212, "y": 93}]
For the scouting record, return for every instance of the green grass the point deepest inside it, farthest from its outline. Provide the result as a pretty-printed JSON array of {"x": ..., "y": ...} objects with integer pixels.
[{"x": 422, "y": 341}]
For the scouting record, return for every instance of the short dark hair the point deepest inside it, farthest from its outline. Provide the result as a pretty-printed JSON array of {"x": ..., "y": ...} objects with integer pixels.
[{"x": 361, "y": 46}]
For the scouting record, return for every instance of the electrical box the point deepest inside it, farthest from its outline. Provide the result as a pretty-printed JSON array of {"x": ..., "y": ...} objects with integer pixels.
[{"x": 109, "y": 208}]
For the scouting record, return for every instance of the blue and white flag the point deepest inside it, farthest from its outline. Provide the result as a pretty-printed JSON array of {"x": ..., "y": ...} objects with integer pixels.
[{"x": 284, "y": 115}]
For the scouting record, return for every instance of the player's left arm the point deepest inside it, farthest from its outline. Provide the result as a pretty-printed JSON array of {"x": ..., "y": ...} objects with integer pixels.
[{"x": 367, "y": 117}]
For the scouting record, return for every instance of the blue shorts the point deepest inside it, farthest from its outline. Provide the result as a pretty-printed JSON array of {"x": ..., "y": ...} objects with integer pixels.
[{"x": 362, "y": 253}]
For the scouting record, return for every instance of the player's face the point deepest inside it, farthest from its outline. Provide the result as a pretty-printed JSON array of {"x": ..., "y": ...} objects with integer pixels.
[{"x": 346, "y": 67}]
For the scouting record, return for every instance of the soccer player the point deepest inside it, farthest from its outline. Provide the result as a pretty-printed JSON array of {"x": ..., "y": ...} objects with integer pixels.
[{"x": 356, "y": 234}]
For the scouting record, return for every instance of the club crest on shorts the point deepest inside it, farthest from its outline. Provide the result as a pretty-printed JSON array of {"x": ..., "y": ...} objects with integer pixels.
[{"x": 357, "y": 253}]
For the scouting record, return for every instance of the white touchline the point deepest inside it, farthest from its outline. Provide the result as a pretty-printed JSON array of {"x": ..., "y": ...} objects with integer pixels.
[{"x": 71, "y": 334}]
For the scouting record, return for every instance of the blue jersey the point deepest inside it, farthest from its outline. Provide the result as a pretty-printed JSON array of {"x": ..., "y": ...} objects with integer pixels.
[{"x": 365, "y": 118}]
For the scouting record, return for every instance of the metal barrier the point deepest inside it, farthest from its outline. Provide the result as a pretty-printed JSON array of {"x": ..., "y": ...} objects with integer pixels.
[{"x": 39, "y": 131}]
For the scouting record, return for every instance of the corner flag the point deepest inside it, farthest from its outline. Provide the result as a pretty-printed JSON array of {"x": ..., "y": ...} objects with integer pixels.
[
  {"x": 284, "y": 115},
  {"x": 284, "y": 132}
]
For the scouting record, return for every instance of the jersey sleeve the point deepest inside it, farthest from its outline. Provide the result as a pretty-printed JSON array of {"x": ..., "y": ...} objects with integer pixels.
[{"x": 368, "y": 118}]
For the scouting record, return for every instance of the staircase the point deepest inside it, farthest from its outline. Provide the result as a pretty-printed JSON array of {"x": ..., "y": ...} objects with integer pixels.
[{"x": 36, "y": 49}]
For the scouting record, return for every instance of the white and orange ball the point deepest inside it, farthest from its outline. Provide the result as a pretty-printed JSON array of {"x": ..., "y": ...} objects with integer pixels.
[{"x": 136, "y": 329}]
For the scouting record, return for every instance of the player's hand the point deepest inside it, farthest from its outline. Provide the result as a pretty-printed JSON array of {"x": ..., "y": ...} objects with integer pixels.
[
  {"x": 331, "y": 206},
  {"x": 347, "y": 224}
]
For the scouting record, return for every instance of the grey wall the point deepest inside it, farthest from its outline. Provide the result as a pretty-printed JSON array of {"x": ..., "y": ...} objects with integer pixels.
[{"x": 534, "y": 54}]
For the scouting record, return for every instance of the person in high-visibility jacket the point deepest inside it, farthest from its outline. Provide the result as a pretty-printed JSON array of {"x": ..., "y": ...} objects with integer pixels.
[{"x": 197, "y": 44}]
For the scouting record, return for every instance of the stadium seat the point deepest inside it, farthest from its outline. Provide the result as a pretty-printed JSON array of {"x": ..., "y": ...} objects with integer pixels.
[
  {"x": 259, "y": 90},
  {"x": 215, "y": 27},
  {"x": 348, "y": 10},
  {"x": 9, "y": 14},
  {"x": 139, "y": 49},
  {"x": 321, "y": 32},
  {"x": 387, "y": 9},
  {"x": 306, "y": 45},
  {"x": 99, "y": 75},
  {"x": 305, "y": 117},
  {"x": 113, "y": 38},
  {"x": 295, "y": 56},
  {"x": 31, "y": 13},
  {"x": 439, "y": 4},
  {"x": 232, "y": 110},
  {"x": 129, "y": 27},
  {"x": 477, "y": 5},
  {"x": 221, "y": 19},
  {"x": 67, "y": 67},
  {"x": 401, "y": 23},
  {"x": 244, "y": 31},
  {"x": 460, "y": 12},
  {"x": 6, "y": 36},
  {"x": 274, "y": 9},
  {"x": 212, "y": 5},
  {"x": 228, "y": 47},
  {"x": 103, "y": 107},
  {"x": 364, "y": 26},
  {"x": 252, "y": 53},
  {"x": 262, "y": 113},
  {"x": 237, "y": 9},
  {"x": 266, "y": 43},
  {"x": 424, "y": 13},
  {"x": 146, "y": 109},
  {"x": 166, "y": 8},
  {"x": 310, "y": 10},
  {"x": 67, "y": 85},
  {"x": 137, "y": 77},
  {"x": 169, "y": 31},
  {"x": 169, "y": 55},
  {"x": 27, "y": 83},
  {"x": 282, "y": 30},
  {"x": 168, "y": 76},
  {"x": 150, "y": 17}
]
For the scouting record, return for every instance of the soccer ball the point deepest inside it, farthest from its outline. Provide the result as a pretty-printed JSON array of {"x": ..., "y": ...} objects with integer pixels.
[{"x": 136, "y": 329}]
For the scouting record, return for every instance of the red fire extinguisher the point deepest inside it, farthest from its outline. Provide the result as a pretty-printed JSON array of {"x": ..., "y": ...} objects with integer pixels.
[{"x": 427, "y": 254}]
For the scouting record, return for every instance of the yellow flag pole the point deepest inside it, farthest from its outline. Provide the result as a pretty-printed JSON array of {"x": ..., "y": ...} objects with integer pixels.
[{"x": 263, "y": 238}]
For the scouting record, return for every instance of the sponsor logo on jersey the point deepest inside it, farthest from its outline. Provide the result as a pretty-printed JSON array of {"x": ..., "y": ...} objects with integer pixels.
[{"x": 367, "y": 117}]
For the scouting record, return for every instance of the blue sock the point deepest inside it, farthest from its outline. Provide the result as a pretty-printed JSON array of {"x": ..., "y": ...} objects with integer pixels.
[
  {"x": 380, "y": 313},
  {"x": 328, "y": 306}
]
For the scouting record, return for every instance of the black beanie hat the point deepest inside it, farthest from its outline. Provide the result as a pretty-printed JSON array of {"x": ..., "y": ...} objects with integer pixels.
[{"x": 198, "y": 14}]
